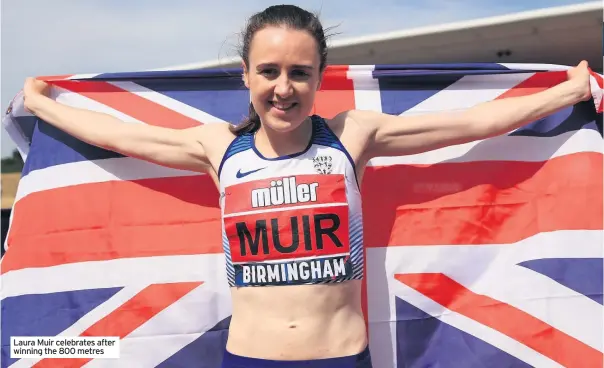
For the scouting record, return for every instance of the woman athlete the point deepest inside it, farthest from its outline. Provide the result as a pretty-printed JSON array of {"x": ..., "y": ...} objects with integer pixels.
[{"x": 289, "y": 185}]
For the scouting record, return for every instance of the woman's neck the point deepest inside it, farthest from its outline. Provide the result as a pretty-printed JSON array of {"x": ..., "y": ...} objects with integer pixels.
[{"x": 274, "y": 144}]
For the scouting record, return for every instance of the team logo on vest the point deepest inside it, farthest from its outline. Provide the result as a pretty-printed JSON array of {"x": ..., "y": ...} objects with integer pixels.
[{"x": 322, "y": 164}]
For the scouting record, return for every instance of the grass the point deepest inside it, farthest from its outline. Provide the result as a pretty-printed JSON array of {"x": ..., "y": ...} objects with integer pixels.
[{"x": 9, "y": 188}]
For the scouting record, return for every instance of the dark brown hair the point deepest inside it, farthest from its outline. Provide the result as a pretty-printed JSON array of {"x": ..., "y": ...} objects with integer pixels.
[{"x": 289, "y": 16}]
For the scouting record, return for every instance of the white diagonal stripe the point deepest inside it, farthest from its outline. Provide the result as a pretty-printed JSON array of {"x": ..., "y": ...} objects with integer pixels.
[
  {"x": 115, "y": 273},
  {"x": 495, "y": 273},
  {"x": 168, "y": 102},
  {"x": 94, "y": 171},
  {"x": 173, "y": 328},
  {"x": 469, "y": 91},
  {"x": 90, "y": 318},
  {"x": 77, "y": 100},
  {"x": 383, "y": 352},
  {"x": 505, "y": 148}
]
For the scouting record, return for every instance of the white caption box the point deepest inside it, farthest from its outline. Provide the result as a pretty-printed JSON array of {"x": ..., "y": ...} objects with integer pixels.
[{"x": 104, "y": 347}]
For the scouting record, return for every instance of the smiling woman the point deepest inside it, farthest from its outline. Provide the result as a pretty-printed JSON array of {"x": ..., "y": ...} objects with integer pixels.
[
  {"x": 290, "y": 186},
  {"x": 290, "y": 51}
]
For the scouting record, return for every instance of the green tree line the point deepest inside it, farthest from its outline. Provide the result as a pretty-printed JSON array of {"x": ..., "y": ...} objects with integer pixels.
[{"x": 12, "y": 163}]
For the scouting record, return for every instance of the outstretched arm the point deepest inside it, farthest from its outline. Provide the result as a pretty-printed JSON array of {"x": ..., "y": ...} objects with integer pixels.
[
  {"x": 389, "y": 135},
  {"x": 175, "y": 148}
]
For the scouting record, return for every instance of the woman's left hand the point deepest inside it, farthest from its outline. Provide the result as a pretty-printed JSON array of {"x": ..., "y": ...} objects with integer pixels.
[{"x": 578, "y": 77}]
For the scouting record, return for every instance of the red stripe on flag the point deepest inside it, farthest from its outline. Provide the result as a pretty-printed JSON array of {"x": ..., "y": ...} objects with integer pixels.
[
  {"x": 119, "y": 219},
  {"x": 540, "y": 81},
  {"x": 490, "y": 202},
  {"x": 336, "y": 93},
  {"x": 128, "y": 103},
  {"x": 504, "y": 318},
  {"x": 457, "y": 203},
  {"x": 129, "y": 316},
  {"x": 598, "y": 79}
]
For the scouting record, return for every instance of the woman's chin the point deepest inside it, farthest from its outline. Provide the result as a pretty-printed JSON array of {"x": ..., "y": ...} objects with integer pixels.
[{"x": 284, "y": 121}]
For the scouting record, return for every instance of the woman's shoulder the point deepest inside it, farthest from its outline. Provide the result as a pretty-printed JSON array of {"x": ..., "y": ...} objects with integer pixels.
[
  {"x": 347, "y": 129},
  {"x": 219, "y": 128},
  {"x": 220, "y": 131},
  {"x": 215, "y": 139},
  {"x": 347, "y": 123}
]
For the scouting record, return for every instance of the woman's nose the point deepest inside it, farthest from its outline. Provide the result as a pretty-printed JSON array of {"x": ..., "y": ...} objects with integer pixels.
[{"x": 283, "y": 88}]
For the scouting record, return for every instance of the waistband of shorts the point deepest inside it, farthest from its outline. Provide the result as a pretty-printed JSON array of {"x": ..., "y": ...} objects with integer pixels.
[{"x": 231, "y": 360}]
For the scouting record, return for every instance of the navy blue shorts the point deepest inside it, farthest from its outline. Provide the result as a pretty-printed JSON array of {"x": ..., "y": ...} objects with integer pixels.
[{"x": 361, "y": 360}]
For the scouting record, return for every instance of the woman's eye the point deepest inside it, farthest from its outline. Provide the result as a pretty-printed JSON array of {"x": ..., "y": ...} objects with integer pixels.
[
  {"x": 299, "y": 73},
  {"x": 267, "y": 72}
]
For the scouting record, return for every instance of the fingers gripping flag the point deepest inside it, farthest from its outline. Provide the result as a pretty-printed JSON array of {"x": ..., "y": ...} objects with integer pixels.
[{"x": 482, "y": 254}]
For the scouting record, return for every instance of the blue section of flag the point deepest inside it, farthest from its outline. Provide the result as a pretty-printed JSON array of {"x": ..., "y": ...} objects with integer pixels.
[
  {"x": 445, "y": 68},
  {"x": 46, "y": 314},
  {"x": 400, "y": 94},
  {"x": 204, "y": 352},
  {"x": 401, "y": 90},
  {"x": 583, "y": 275},
  {"x": 225, "y": 98},
  {"x": 580, "y": 116},
  {"x": 222, "y": 94},
  {"x": 236, "y": 72},
  {"x": 55, "y": 147},
  {"x": 425, "y": 341},
  {"x": 162, "y": 74},
  {"x": 26, "y": 124}
]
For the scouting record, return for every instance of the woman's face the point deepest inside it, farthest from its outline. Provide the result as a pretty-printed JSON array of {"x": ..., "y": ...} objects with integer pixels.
[{"x": 283, "y": 76}]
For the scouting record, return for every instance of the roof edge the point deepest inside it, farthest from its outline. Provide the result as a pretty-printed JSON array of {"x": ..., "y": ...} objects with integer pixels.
[{"x": 426, "y": 30}]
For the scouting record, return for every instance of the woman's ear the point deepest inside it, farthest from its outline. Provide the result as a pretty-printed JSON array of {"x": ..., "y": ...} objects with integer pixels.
[
  {"x": 320, "y": 80},
  {"x": 245, "y": 75}
]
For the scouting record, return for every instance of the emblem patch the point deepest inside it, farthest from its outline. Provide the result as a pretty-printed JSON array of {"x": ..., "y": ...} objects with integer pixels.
[{"x": 322, "y": 164}]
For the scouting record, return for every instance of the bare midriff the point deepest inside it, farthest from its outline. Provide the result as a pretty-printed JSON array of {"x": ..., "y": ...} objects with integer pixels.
[{"x": 297, "y": 322}]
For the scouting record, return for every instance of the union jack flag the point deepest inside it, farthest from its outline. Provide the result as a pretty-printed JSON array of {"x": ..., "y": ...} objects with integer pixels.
[{"x": 481, "y": 254}]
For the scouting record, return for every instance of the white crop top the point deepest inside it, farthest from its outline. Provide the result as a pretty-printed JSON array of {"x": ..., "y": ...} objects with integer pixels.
[{"x": 294, "y": 219}]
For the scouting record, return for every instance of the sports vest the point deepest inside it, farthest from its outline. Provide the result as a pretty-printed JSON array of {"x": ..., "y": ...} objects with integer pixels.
[{"x": 293, "y": 219}]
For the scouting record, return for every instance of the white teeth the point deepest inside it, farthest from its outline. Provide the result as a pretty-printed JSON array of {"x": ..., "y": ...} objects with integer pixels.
[{"x": 282, "y": 106}]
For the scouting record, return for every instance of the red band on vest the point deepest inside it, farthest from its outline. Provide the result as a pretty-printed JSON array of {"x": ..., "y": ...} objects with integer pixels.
[
  {"x": 290, "y": 234},
  {"x": 300, "y": 190}
]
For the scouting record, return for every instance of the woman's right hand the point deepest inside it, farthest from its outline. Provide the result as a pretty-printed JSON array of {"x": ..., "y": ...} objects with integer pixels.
[{"x": 34, "y": 88}]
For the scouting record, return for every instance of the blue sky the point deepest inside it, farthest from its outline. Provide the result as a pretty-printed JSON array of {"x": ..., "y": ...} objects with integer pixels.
[{"x": 42, "y": 37}]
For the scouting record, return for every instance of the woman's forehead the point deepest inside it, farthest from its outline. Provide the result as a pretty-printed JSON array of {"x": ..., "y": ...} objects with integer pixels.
[{"x": 279, "y": 45}]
